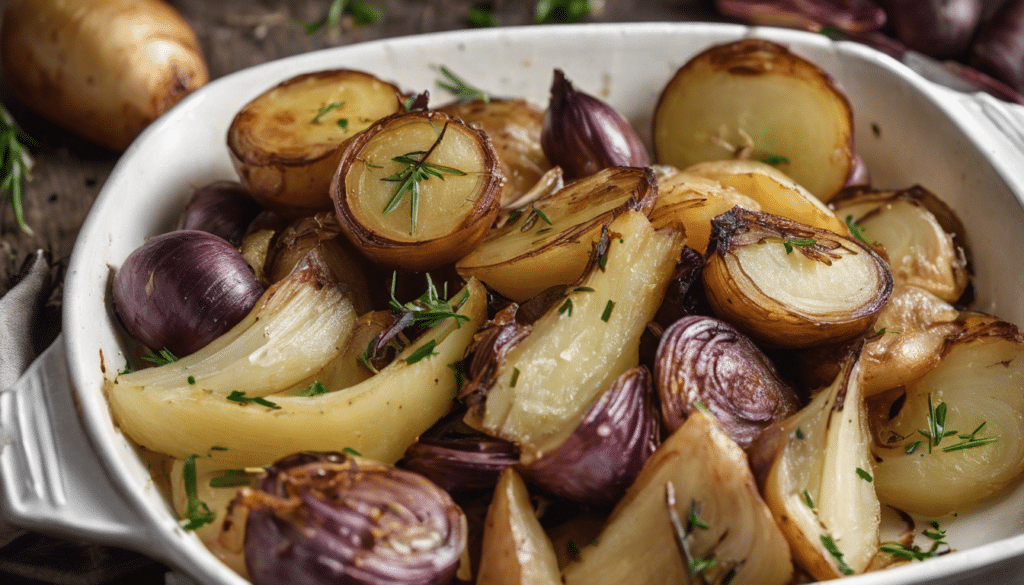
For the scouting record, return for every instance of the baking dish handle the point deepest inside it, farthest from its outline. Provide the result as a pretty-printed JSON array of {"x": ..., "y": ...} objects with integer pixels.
[{"x": 51, "y": 481}]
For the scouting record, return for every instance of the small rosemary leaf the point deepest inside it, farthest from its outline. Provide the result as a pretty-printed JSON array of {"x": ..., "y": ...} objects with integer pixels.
[
  {"x": 566, "y": 307},
  {"x": 425, "y": 350},
  {"x": 775, "y": 159},
  {"x": 160, "y": 358},
  {"x": 324, "y": 110},
  {"x": 864, "y": 475},
  {"x": 608, "y": 311},
  {"x": 830, "y": 546},
  {"x": 315, "y": 389},
  {"x": 230, "y": 478},
  {"x": 799, "y": 433},
  {"x": 808, "y": 499},
  {"x": 857, "y": 231},
  {"x": 515, "y": 378},
  {"x": 352, "y": 451},
  {"x": 197, "y": 513},
  {"x": 458, "y": 87}
]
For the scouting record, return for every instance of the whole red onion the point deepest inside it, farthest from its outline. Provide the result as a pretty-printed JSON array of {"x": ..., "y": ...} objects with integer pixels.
[
  {"x": 181, "y": 290},
  {"x": 326, "y": 518},
  {"x": 222, "y": 208}
]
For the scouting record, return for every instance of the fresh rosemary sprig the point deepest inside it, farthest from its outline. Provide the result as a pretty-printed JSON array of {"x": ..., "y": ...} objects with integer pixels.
[
  {"x": 698, "y": 568},
  {"x": 416, "y": 170},
  {"x": 563, "y": 11},
  {"x": 458, "y": 87},
  {"x": 361, "y": 13},
  {"x": 936, "y": 431},
  {"x": 791, "y": 243},
  {"x": 915, "y": 552},
  {"x": 160, "y": 358},
  {"x": 17, "y": 164},
  {"x": 431, "y": 307}
]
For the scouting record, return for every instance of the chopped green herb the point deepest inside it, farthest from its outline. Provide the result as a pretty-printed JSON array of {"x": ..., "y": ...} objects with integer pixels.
[
  {"x": 693, "y": 519},
  {"x": 367, "y": 355},
  {"x": 230, "y": 478},
  {"x": 775, "y": 159},
  {"x": 543, "y": 216},
  {"x": 408, "y": 103},
  {"x": 799, "y": 433},
  {"x": 566, "y": 307},
  {"x": 885, "y": 330},
  {"x": 416, "y": 170},
  {"x": 430, "y": 309},
  {"x": 911, "y": 447},
  {"x": 315, "y": 389},
  {"x": 876, "y": 129},
  {"x": 425, "y": 350},
  {"x": 808, "y": 499},
  {"x": 352, "y": 451},
  {"x": 969, "y": 441},
  {"x": 324, "y": 109},
  {"x": 864, "y": 475},
  {"x": 857, "y": 231},
  {"x": 460, "y": 377},
  {"x": 197, "y": 513},
  {"x": 17, "y": 164},
  {"x": 936, "y": 420},
  {"x": 696, "y": 566},
  {"x": 561, "y": 11},
  {"x": 127, "y": 370},
  {"x": 582, "y": 289},
  {"x": 191, "y": 380},
  {"x": 608, "y": 311},
  {"x": 915, "y": 552},
  {"x": 699, "y": 405},
  {"x": 218, "y": 448},
  {"x": 239, "y": 396},
  {"x": 458, "y": 87},
  {"x": 160, "y": 358},
  {"x": 515, "y": 378},
  {"x": 602, "y": 260},
  {"x": 342, "y": 123},
  {"x": 830, "y": 546},
  {"x": 791, "y": 243},
  {"x": 481, "y": 17},
  {"x": 572, "y": 548}
]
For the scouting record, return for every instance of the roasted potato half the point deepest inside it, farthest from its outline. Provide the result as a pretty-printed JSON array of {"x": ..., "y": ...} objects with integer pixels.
[
  {"x": 417, "y": 190},
  {"x": 286, "y": 143},
  {"x": 756, "y": 99}
]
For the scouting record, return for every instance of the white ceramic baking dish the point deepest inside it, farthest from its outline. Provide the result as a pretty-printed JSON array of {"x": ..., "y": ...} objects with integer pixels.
[{"x": 67, "y": 469}]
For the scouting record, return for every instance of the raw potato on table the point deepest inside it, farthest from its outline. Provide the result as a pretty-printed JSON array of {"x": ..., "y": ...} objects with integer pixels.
[{"x": 104, "y": 69}]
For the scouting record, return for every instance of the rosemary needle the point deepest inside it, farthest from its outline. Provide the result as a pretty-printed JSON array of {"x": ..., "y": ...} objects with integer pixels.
[{"x": 17, "y": 164}]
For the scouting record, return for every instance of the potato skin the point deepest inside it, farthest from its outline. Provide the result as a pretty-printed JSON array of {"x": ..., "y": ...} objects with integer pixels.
[{"x": 104, "y": 69}]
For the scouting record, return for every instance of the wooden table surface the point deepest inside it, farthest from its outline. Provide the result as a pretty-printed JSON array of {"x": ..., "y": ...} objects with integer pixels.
[{"x": 69, "y": 172}]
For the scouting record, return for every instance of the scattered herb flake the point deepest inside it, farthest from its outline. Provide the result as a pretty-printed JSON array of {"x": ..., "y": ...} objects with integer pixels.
[
  {"x": 160, "y": 358},
  {"x": 342, "y": 123},
  {"x": 430, "y": 309},
  {"x": 864, "y": 475},
  {"x": 239, "y": 396},
  {"x": 425, "y": 350},
  {"x": 515, "y": 378},
  {"x": 458, "y": 87},
  {"x": 191, "y": 380},
  {"x": 197, "y": 513},
  {"x": 799, "y": 433},
  {"x": 808, "y": 499},
  {"x": 230, "y": 478},
  {"x": 775, "y": 160},
  {"x": 408, "y": 103},
  {"x": 315, "y": 389},
  {"x": 572, "y": 548},
  {"x": 324, "y": 110},
  {"x": 857, "y": 231},
  {"x": 460, "y": 377},
  {"x": 582, "y": 289},
  {"x": 366, "y": 357},
  {"x": 830, "y": 546},
  {"x": 218, "y": 448},
  {"x": 127, "y": 370},
  {"x": 911, "y": 447},
  {"x": 791, "y": 243},
  {"x": 542, "y": 215},
  {"x": 566, "y": 307},
  {"x": 352, "y": 451},
  {"x": 608, "y": 311}
]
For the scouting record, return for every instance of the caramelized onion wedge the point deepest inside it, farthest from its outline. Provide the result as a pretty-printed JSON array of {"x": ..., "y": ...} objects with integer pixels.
[
  {"x": 790, "y": 284},
  {"x": 773, "y": 190},
  {"x": 379, "y": 417},
  {"x": 979, "y": 380},
  {"x": 417, "y": 190},
  {"x": 909, "y": 337},
  {"x": 542, "y": 387},
  {"x": 602, "y": 457},
  {"x": 550, "y": 242},
  {"x": 692, "y": 201},
  {"x": 516, "y": 550},
  {"x": 514, "y": 127},
  {"x": 705, "y": 361},
  {"x": 709, "y": 476},
  {"x": 755, "y": 99},
  {"x": 815, "y": 484},
  {"x": 920, "y": 243},
  {"x": 286, "y": 143}
]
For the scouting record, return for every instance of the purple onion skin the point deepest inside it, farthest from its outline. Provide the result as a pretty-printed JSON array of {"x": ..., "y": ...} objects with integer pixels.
[
  {"x": 222, "y": 208},
  {"x": 846, "y": 15},
  {"x": 181, "y": 290},
  {"x": 460, "y": 464},
  {"x": 583, "y": 135},
  {"x": 325, "y": 518},
  {"x": 707, "y": 361},
  {"x": 998, "y": 49},
  {"x": 939, "y": 28},
  {"x": 601, "y": 458}
]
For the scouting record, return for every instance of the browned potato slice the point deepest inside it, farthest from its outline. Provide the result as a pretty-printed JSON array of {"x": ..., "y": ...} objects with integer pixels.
[
  {"x": 516, "y": 550},
  {"x": 818, "y": 483},
  {"x": 792, "y": 285},
  {"x": 710, "y": 479},
  {"x": 286, "y": 143},
  {"x": 920, "y": 234},
  {"x": 417, "y": 190},
  {"x": 775, "y": 192},
  {"x": 755, "y": 99},
  {"x": 514, "y": 128},
  {"x": 542, "y": 387},
  {"x": 692, "y": 201},
  {"x": 971, "y": 404},
  {"x": 550, "y": 242}
]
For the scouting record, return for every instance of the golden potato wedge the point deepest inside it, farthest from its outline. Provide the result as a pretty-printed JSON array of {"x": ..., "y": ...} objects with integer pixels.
[
  {"x": 286, "y": 143},
  {"x": 417, "y": 190},
  {"x": 755, "y": 99},
  {"x": 551, "y": 240}
]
